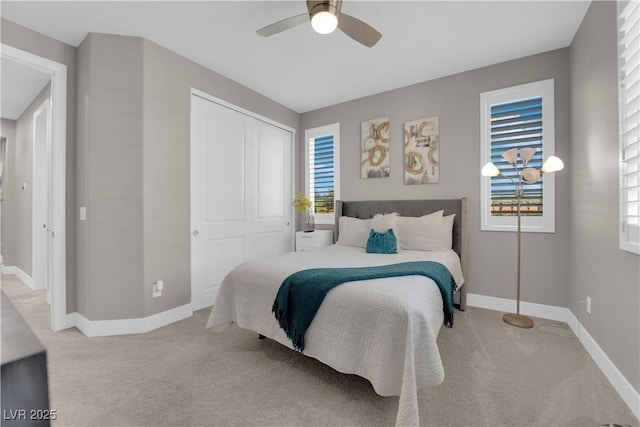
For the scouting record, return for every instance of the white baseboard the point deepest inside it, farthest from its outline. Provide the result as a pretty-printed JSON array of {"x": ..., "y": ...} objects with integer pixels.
[
  {"x": 527, "y": 308},
  {"x": 18, "y": 272},
  {"x": 562, "y": 314},
  {"x": 101, "y": 328},
  {"x": 615, "y": 377}
]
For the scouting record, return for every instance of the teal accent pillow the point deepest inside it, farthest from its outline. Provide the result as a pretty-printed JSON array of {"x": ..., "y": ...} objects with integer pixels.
[{"x": 382, "y": 243}]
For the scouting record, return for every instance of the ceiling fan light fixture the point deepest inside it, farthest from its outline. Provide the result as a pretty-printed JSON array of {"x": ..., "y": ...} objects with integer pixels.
[
  {"x": 324, "y": 22},
  {"x": 325, "y": 17}
]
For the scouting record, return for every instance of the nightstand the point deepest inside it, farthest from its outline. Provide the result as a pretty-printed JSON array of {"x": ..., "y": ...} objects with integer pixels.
[{"x": 313, "y": 240}]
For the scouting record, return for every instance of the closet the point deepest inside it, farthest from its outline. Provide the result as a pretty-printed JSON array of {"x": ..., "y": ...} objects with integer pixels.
[{"x": 241, "y": 177}]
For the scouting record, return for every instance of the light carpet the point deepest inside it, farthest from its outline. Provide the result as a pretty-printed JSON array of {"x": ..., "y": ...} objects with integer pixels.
[{"x": 185, "y": 375}]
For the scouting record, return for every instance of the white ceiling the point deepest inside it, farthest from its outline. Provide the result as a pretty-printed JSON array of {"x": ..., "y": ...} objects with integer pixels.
[{"x": 421, "y": 40}]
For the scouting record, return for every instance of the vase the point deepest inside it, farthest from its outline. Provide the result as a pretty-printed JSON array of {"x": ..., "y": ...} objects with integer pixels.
[{"x": 309, "y": 222}]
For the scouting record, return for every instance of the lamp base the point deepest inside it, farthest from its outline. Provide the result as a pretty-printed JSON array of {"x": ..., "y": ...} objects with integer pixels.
[{"x": 518, "y": 320}]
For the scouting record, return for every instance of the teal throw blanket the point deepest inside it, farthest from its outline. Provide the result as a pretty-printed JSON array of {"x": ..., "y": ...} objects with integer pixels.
[{"x": 301, "y": 294}]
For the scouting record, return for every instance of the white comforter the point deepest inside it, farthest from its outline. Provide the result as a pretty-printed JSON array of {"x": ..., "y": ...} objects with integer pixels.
[{"x": 384, "y": 330}]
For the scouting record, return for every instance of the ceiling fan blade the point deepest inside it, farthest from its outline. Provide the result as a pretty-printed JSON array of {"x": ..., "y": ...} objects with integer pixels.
[
  {"x": 285, "y": 24},
  {"x": 358, "y": 30}
]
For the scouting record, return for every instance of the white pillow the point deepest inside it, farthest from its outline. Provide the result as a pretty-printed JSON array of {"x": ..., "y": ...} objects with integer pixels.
[
  {"x": 353, "y": 231},
  {"x": 447, "y": 230},
  {"x": 382, "y": 223},
  {"x": 421, "y": 234}
]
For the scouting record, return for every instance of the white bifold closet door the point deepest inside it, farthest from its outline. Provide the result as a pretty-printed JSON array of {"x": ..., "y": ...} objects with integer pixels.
[{"x": 240, "y": 194}]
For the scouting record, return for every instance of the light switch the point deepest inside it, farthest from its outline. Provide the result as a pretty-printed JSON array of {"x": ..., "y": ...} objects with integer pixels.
[{"x": 83, "y": 213}]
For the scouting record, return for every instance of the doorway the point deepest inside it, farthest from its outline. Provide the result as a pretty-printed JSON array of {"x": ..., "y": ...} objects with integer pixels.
[{"x": 52, "y": 247}]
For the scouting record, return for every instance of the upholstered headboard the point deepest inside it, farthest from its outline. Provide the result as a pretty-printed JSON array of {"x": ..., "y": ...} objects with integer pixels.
[{"x": 368, "y": 208}]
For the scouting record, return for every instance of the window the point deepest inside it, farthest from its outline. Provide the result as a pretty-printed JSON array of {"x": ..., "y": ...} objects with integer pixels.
[
  {"x": 629, "y": 110},
  {"x": 518, "y": 117},
  {"x": 322, "y": 171}
]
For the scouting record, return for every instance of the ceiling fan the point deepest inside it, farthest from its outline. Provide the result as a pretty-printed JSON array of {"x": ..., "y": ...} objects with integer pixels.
[{"x": 325, "y": 16}]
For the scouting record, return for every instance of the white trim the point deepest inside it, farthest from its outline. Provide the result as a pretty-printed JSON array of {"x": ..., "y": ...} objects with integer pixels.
[
  {"x": 546, "y": 222},
  {"x": 561, "y": 314},
  {"x": 70, "y": 320},
  {"x": 292, "y": 212},
  {"x": 58, "y": 73},
  {"x": 39, "y": 195},
  {"x": 626, "y": 391},
  {"x": 626, "y": 18},
  {"x": 101, "y": 328},
  {"x": 527, "y": 308},
  {"x": 244, "y": 111},
  {"x": 16, "y": 271}
]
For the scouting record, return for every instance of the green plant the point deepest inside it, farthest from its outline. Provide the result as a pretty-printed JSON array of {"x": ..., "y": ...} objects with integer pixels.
[{"x": 301, "y": 203}]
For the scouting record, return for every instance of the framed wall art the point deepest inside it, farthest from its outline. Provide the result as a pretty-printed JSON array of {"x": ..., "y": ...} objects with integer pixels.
[
  {"x": 375, "y": 148},
  {"x": 422, "y": 151}
]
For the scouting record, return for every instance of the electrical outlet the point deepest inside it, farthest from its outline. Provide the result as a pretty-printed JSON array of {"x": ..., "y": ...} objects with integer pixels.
[
  {"x": 588, "y": 305},
  {"x": 157, "y": 288}
]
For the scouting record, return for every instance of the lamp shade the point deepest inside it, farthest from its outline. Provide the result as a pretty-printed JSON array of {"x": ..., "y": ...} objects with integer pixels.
[
  {"x": 526, "y": 154},
  {"x": 490, "y": 169},
  {"x": 530, "y": 175},
  {"x": 324, "y": 22},
  {"x": 511, "y": 156},
  {"x": 553, "y": 164}
]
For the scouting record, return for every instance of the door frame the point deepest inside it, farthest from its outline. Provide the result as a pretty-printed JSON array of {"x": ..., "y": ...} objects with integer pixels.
[
  {"x": 269, "y": 121},
  {"x": 58, "y": 117}
]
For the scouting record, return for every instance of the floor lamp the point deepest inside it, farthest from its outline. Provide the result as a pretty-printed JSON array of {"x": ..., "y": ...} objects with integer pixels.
[{"x": 523, "y": 175}]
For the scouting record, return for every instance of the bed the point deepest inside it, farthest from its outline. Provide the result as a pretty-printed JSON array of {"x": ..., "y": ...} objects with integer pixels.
[{"x": 382, "y": 329}]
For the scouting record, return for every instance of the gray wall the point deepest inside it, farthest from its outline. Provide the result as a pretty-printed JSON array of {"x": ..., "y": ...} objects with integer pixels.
[
  {"x": 110, "y": 159},
  {"x": 134, "y": 171},
  {"x": 46, "y": 47},
  {"x": 599, "y": 269},
  {"x": 8, "y": 130},
  {"x": 133, "y": 119},
  {"x": 456, "y": 100},
  {"x": 168, "y": 79}
]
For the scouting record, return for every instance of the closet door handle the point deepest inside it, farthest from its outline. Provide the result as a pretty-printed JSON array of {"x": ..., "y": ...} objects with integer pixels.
[{"x": 195, "y": 233}]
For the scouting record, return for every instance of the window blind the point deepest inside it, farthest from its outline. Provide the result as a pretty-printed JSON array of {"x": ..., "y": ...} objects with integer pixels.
[
  {"x": 629, "y": 102},
  {"x": 515, "y": 124},
  {"x": 322, "y": 176}
]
